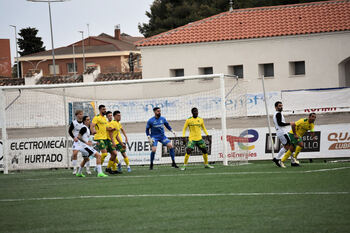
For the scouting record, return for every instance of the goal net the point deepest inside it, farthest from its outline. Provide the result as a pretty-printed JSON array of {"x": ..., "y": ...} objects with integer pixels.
[{"x": 35, "y": 119}]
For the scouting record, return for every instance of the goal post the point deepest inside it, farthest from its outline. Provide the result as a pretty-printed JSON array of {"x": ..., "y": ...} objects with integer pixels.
[{"x": 35, "y": 119}]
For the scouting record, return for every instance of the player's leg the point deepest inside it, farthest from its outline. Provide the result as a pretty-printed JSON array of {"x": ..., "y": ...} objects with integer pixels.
[
  {"x": 126, "y": 159},
  {"x": 74, "y": 160},
  {"x": 80, "y": 169},
  {"x": 284, "y": 139},
  {"x": 87, "y": 167},
  {"x": 167, "y": 142},
  {"x": 99, "y": 165},
  {"x": 111, "y": 149},
  {"x": 153, "y": 152},
  {"x": 101, "y": 145},
  {"x": 298, "y": 148},
  {"x": 203, "y": 147},
  {"x": 189, "y": 149}
]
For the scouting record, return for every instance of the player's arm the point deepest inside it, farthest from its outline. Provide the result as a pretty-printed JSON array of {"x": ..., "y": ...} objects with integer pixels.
[
  {"x": 294, "y": 127},
  {"x": 93, "y": 126},
  {"x": 148, "y": 127},
  {"x": 279, "y": 120},
  {"x": 166, "y": 124},
  {"x": 70, "y": 131},
  {"x": 185, "y": 128},
  {"x": 124, "y": 133},
  {"x": 312, "y": 132},
  {"x": 80, "y": 136},
  {"x": 204, "y": 129}
]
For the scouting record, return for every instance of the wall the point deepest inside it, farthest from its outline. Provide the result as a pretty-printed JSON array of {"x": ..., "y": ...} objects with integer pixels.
[
  {"x": 321, "y": 52},
  {"x": 5, "y": 58}
]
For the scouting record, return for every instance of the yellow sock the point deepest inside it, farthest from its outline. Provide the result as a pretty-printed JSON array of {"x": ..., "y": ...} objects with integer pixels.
[
  {"x": 187, "y": 156},
  {"x": 205, "y": 157},
  {"x": 114, "y": 167},
  {"x": 286, "y": 156},
  {"x": 126, "y": 160},
  {"x": 116, "y": 160},
  {"x": 103, "y": 156},
  {"x": 110, "y": 164},
  {"x": 297, "y": 151}
]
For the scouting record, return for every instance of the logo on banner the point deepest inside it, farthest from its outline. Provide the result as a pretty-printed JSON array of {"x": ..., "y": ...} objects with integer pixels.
[
  {"x": 341, "y": 140},
  {"x": 310, "y": 145},
  {"x": 180, "y": 144}
]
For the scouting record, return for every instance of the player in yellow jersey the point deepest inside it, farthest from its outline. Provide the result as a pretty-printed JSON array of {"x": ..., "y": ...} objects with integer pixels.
[
  {"x": 98, "y": 128},
  {"x": 120, "y": 146},
  {"x": 111, "y": 148},
  {"x": 296, "y": 134},
  {"x": 195, "y": 125}
]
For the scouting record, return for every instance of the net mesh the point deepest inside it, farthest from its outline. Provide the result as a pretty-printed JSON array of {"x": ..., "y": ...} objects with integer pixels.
[{"x": 37, "y": 119}]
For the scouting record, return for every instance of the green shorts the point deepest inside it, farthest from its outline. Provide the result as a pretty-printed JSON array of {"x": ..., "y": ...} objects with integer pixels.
[
  {"x": 120, "y": 148},
  {"x": 105, "y": 144},
  {"x": 201, "y": 144},
  {"x": 293, "y": 140}
]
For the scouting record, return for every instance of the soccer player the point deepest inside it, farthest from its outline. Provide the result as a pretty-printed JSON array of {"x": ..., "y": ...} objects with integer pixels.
[
  {"x": 120, "y": 146},
  {"x": 73, "y": 131},
  {"x": 155, "y": 125},
  {"x": 111, "y": 148},
  {"x": 298, "y": 130},
  {"x": 195, "y": 125},
  {"x": 281, "y": 132},
  {"x": 84, "y": 145}
]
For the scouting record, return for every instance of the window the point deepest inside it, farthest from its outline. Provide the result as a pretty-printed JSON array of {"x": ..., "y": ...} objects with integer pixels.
[
  {"x": 177, "y": 72},
  {"x": 266, "y": 70},
  {"x": 57, "y": 69},
  {"x": 70, "y": 67},
  {"x": 206, "y": 70},
  {"x": 236, "y": 70},
  {"x": 297, "y": 68}
]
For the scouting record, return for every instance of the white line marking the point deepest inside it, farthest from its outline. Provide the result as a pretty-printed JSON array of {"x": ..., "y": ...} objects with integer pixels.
[
  {"x": 171, "y": 195},
  {"x": 200, "y": 174},
  {"x": 327, "y": 169}
]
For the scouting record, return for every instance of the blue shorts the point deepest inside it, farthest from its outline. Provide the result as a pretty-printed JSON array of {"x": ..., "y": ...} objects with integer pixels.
[{"x": 162, "y": 139}]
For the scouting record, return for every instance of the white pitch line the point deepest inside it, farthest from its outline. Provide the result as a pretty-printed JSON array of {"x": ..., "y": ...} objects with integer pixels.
[
  {"x": 172, "y": 195},
  {"x": 327, "y": 169}
]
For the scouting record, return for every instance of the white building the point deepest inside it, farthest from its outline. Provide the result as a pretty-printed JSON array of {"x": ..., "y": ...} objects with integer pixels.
[{"x": 294, "y": 46}]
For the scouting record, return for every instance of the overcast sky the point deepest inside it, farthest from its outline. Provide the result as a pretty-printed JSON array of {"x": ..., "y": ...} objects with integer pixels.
[{"x": 70, "y": 17}]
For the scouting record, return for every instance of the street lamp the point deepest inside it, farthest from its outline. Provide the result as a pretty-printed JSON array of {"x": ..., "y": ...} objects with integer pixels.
[
  {"x": 82, "y": 40},
  {"x": 16, "y": 49},
  {"x": 53, "y": 48}
]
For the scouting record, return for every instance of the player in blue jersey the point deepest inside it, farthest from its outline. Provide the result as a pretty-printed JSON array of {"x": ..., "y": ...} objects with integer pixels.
[{"x": 155, "y": 125}]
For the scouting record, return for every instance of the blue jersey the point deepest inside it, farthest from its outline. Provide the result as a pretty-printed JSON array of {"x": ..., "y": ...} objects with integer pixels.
[{"x": 156, "y": 126}]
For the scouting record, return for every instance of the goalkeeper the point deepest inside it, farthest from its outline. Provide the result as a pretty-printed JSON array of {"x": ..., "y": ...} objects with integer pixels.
[
  {"x": 195, "y": 125},
  {"x": 155, "y": 125}
]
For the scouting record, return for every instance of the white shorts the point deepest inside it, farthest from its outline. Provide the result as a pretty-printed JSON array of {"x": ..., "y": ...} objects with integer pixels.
[
  {"x": 85, "y": 150},
  {"x": 284, "y": 139}
]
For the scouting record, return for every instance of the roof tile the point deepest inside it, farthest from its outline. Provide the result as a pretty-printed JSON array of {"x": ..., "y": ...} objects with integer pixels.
[{"x": 297, "y": 19}]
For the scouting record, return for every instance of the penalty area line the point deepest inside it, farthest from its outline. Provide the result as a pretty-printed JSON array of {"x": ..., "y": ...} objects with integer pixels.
[{"x": 171, "y": 195}]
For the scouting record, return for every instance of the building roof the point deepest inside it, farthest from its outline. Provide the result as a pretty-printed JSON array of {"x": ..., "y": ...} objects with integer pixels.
[
  {"x": 126, "y": 43},
  {"x": 296, "y": 19}
]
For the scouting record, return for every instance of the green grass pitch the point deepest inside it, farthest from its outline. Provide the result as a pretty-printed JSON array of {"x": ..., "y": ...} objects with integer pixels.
[{"x": 257, "y": 197}]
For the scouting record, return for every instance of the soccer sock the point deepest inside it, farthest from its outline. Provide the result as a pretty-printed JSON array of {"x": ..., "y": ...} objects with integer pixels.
[
  {"x": 110, "y": 164},
  {"x": 152, "y": 156},
  {"x": 297, "y": 151},
  {"x": 80, "y": 170},
  {"x": 126, "y": 160},
  {"x": 114, "y": 167},
  {"x": 103, "y": 156},
  {"x": 187, "y": 156},
  {"x": 172, "y": 154},
  {"x": 87, "y": 165},
  {"x": 205, "y": 157},
  {"x": 280, "y": 153},
  {"x": 74, "y": 162},
  {"x": 99, "y": 168},
  {"x": 286, "y": 156}
]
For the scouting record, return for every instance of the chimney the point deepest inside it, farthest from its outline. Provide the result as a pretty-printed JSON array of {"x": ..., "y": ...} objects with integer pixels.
[{"x": 117, "y": 32}]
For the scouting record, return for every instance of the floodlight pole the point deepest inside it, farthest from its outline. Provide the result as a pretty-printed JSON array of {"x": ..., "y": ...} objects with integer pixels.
[
  {"x": 16, "y": 49},
  {"x": 82, "y": 41},
  {"x": 52, "y": 45}
]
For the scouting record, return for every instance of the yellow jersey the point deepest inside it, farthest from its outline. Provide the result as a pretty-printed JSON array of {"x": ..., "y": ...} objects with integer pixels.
[
  {"x": 100, "y": 126},
  {"x": 195, "y": 125},
  {"x": 115, "y": 125},
  {"x": 302, "y": 126}
]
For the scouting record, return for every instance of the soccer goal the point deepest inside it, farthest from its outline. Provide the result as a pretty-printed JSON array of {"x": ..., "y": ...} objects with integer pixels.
[{"x": 35, "y": 119}]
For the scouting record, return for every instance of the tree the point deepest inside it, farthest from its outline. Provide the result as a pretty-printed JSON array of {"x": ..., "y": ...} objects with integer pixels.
[
  {"x": 29, "y": 42},
  {"x": 165, "y": 15}
]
